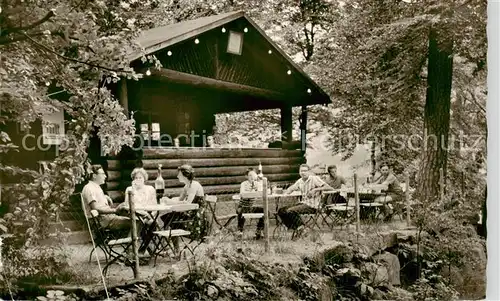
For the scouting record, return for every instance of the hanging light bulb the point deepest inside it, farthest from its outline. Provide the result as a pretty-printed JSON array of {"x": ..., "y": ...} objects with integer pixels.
[
  {"x": 245, "y": 30},
  {"x": 223, "y": 29},
  {"x": 289, "y": 72},
  {"x": 309, "y": 91},
  {"x": 169, "y": 53},
  {"x": 196, "y": 41},
  {"x": 148, "y": 73},
  {"x": 270, "y": 51}
]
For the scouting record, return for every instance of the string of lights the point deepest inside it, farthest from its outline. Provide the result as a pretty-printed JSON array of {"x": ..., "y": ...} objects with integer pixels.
[{"x": 224, "y": 30}]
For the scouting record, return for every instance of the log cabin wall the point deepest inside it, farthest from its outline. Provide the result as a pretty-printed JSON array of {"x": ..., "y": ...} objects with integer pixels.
[{"x": 220, "y": 171}]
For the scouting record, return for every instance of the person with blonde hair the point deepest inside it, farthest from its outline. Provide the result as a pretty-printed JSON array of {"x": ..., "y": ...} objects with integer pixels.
[{"x": 143, "y": 194}]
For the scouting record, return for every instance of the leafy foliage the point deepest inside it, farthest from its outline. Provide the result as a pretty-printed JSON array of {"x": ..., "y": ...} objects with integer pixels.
[
  {"x": 370, "y": 56},
  {"x": 58, "y": 55},
  {"x": 38, "y": 266}
]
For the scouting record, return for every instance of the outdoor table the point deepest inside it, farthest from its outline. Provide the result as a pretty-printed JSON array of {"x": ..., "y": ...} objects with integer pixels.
[
  {"x": 258, "y": 194},
  {"x": 365, "y": 194},
  {"x": 167, "y": 208},
  {"x": 152, "y": 208}
]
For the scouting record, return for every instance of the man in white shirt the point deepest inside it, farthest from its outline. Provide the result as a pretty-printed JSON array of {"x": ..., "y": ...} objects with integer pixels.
[
  {"x": 394, "y": 192},
  {"x": 95, "y": 199},
  {"x": 310, "y": 187}
]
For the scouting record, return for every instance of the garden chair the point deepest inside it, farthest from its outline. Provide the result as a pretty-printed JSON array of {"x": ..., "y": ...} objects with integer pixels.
[
  {"x": 184, "y": 225},
  {"x": 280, "y": 231},
  {"x": 211, "y": 202},
  {"x": 114, "y": 248},
  {"x": 314, "y": 220},
  {"x": 338, "y": 212},
  {"x": 399, "y": 207},
  {"x": 249, "y": 216}
]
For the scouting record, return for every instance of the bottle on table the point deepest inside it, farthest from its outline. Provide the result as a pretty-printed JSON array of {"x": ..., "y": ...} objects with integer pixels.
[
  {"x": 159, "y": 185},
  {"x": 260, "y": 176}
]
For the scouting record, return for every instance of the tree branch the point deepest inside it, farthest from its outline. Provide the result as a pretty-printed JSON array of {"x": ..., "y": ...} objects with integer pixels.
[
  {"x": 17, "y": 38},
  {"x": 49, "y": 15},
  {"x": 68, "y": 58},
  {"x": 474, "y": 100},
  {"x": 77, "y": 6},
  {"x": 306, "y": 47}
]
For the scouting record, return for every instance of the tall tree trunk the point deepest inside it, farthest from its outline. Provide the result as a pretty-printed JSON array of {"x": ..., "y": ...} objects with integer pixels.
[
  {"x": 373, "y": 159},
  {"x": 436, "y": 114}
]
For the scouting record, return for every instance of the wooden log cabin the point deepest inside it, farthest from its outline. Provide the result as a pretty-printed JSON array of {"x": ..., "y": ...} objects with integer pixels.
[{"x": 218, "y": 64}]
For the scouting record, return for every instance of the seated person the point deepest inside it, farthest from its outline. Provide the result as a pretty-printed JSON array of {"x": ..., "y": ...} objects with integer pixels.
[
  {"x": 191, "y": 193},
  {"x": 95, "y": 199},
  {"x": 210, "y": 141},
  {"x": 142, "y": 195},
  {"x": 247, "y": 206},
  {"x": 394, "y": 191},
  {"x": 335, "y": 181},
  {"x": 310, "y": 187}
]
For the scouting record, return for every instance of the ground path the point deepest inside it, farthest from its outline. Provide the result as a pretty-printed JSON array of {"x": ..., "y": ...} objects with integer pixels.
[{"x": 283, "y": 251}]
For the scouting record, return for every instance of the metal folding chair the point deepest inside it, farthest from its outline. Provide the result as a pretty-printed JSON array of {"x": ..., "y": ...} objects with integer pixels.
[
  {"x": 248, "y": 216},
  {"x": 114, "y": 248},
  {"x": 180, "y": 226},
  {"x": 339, "y": 212},
  {"x": 211, "y": 202},
  {"x": 311, "y": 221},
  {"x": 280, "y": 231},
  {"x": 371, "y": 210}
]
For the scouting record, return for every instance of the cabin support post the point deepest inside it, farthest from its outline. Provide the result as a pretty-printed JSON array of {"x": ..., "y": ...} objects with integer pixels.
[
  {"x": 286, "y": 124},
  {"x": 303, "y": 128},
  {"x": 123, "y": 95}
]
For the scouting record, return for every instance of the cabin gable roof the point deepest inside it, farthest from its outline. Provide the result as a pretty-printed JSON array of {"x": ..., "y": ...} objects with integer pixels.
[
  {"x": 298, "y": 89},
  {"x": 160, "y": 37}
]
